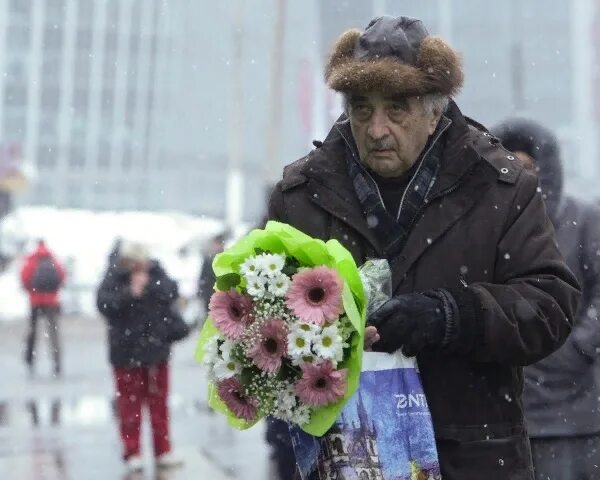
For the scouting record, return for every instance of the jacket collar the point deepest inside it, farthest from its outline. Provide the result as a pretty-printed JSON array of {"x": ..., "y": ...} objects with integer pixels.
[
  {"x": 331, "y": 187},
  {"x": 459, "y": 155}
]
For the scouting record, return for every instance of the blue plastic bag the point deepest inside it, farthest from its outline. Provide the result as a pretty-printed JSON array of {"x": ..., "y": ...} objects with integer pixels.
[{"x": 385, "y": 430}]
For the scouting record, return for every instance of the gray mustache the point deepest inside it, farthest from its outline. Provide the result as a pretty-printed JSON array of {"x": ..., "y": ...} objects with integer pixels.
[{"x": 382, "y": 144}]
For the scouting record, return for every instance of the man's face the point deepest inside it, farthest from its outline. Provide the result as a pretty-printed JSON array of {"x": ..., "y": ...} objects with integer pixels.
[{"x": 390, "y": 131}]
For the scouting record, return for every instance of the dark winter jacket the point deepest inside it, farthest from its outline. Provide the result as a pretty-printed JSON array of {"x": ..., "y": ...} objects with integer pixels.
[
  {"x": 483, "y": 234},
  {"x": 206, "y": 280},
  {"x": 137, "y": 326},
  {"x": 562, "y": 391}
]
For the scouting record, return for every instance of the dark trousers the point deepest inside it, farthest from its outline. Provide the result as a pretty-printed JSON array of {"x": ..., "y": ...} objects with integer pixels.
[
  {"x": 138, "y": 386},
  {"x": 282, "y": 451},
  {"x": 576, "y": 458},
  {"x": 51, "y": 315}
]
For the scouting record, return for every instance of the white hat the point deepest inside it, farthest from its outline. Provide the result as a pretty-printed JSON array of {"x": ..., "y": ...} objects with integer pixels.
[{"x": 135, "y": 251}]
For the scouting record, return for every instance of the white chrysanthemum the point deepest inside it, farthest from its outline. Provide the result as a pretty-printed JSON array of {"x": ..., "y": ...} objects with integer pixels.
[
  {"x": 300, "y": 415},
  {"x": 329, "y": 344},
  {"x": 226, "y": 369},
  {"x": 211, "y": 351},
  {"x": 271, "y": 264},
  {"x": 312, "y": 328},
  {"x": 251, "y": 266},
  {"x": 298, "y": 361},
  {"x": 225, "y": 349},
  {"x": 279, "y": 285},
  {"x": 299, "y": 342},
  {"x": 255, "y": 286}
]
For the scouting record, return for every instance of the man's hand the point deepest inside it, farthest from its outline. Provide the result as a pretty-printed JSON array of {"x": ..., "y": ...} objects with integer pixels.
[
  {"x": 371, "y": 337},
  {"x": 138, "y": 282},
  {"x": 412, "y": 322}
]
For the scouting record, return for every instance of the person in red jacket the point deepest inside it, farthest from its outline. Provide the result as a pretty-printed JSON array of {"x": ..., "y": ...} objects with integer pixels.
[{"x": 42, "y": 276}]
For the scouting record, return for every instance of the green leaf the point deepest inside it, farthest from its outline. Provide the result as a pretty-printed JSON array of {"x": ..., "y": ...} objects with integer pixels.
[
  {"x": 247, "y": 375},
  {"x": 291, "y": 266},
  {"x": 287, "y": 370},
  {"x": 228, "y": 281}
]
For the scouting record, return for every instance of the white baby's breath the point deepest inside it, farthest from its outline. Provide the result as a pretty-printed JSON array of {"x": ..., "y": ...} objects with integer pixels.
[
  {"x": 300, "y": 415},
  {"x": 285, "y": 402}
]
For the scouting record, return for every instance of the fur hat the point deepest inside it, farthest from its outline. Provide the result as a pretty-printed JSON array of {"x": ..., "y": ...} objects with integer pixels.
[
  {"x": 394, "y": 55},
  {"x": 134, "y": 251}
]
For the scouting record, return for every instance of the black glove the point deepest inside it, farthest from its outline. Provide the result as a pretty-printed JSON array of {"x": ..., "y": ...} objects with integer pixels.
[{"x": 415, "y": 321}]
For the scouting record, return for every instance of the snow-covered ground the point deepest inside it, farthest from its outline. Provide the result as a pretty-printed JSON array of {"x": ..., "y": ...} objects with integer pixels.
[{"x": 82, "y": 240}]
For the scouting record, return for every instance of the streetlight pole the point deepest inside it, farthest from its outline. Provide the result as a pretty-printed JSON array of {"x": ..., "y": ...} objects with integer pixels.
[
  {"x": 273, "y": 161},
  {"x": 235, "y": 181}
]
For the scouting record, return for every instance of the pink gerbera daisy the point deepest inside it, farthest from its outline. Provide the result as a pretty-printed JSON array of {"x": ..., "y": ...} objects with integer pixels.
[
  {"x": 321, "y": 384},
  {"x": 231, "y": 312},
  {"x": 242, "y": 405},
  {"x": 269, "y": 346},
  {"x": 315, "y": 295}
]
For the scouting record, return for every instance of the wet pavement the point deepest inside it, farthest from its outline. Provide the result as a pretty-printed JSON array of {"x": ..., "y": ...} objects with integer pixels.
[{"x": 64, "y": 429}]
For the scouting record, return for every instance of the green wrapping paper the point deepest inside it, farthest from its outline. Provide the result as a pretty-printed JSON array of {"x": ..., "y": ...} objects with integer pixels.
[{"x": 281, "y": 238}]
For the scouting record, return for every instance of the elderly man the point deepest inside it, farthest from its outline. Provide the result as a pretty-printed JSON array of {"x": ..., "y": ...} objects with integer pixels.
[{"x": 480, "y": 288}]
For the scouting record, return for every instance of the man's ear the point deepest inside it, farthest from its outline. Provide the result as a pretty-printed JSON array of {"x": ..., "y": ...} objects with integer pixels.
[{"x": 434, "y": 119}]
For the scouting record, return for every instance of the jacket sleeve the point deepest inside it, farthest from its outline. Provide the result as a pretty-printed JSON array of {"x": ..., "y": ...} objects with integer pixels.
[
  {"x": 206, "y": 280},
  {"x": 528, "y": 311},
  {"x": 276, "y": 206},
  {"x": 113, "y": 297},
  {"x": 162, "y": 289},
  {"x": 27, "y": 273},
  {"x": 586, "y": 332}
]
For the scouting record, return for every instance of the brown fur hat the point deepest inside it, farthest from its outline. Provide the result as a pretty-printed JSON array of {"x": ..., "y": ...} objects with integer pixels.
[{"x": 394, "y": 55}]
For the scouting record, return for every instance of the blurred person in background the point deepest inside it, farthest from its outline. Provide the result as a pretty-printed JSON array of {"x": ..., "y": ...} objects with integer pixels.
[
  {"x": 113, "y": 256},
  {"x": 137, "y": 299},
  {"x": 206, "y": 279},
  {"x": 43, "y": 276},
  {"x": 562, "y": 391},
  {"x": 479, "y": 286}
]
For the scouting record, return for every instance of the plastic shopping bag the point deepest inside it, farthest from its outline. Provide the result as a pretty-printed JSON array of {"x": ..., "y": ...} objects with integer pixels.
[{"x": 385, "y": 430}]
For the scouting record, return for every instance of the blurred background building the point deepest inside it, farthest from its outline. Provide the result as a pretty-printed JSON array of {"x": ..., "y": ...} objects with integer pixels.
[
  {"x": 170, "y": 104},
  {"x": 83, "y": 96}
]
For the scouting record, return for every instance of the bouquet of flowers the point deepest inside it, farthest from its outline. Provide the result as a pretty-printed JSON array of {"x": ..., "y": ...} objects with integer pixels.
[{"x": 285, "y": 330}]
